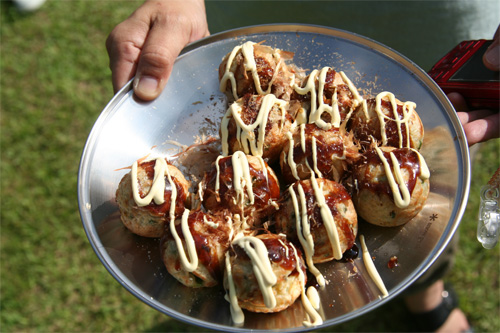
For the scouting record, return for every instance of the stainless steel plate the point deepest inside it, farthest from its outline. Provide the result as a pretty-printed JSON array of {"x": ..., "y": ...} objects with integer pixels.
[{"x": 191, "y": 106}]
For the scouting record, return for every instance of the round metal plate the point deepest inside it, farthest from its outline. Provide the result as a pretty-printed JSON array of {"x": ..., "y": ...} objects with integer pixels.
[{"x": 191, "y": 107}]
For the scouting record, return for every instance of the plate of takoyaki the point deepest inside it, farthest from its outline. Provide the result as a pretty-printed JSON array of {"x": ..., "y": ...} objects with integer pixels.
[{"x": 276, "y": 181}]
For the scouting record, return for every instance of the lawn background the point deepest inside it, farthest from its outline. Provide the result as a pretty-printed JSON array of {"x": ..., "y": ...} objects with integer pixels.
[{"x": 54, "y": 82}]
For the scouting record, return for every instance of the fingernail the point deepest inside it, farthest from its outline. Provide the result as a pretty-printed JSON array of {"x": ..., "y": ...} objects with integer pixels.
[
  {"x": 492, "y": 54},
  {"x": 146, "y": 86}
]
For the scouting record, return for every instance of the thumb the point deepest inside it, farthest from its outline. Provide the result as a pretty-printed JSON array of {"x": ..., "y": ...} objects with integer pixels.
[
  {"x": 492, "y": 54},
  {"x": 156, "y": 61},
  {"x": 173, "y": 25}
]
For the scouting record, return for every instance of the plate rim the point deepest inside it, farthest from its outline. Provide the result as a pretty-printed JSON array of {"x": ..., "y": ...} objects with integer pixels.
[{"x": 126, "y": 91}]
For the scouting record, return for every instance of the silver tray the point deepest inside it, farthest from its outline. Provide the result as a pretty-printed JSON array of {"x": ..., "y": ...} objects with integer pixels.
[{"x": 191, "y": 106}]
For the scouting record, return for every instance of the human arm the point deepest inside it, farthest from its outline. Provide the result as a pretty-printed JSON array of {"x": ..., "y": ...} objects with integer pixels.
[{"x": 147, "y": 43}]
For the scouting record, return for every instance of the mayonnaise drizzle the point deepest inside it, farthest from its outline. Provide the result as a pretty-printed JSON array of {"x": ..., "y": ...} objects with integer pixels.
[
  {"x": 370, "y": 267},
  {"x": 247, "y": 50},
  {"x": 310, "y": 300},
  {"x": 289, "y": 156},
  {"x": 236, "y": 312},
  {"x": 315, "y": 158},
  {"x": 245, "y": 133},
  {"x": 217, "y": 180},
  {"x": 313, "y": 296},
  {"x": 228, "y": 75},
  {"x": 303, "y": 137},
  {"x": 251, "y": 65},
  {"x": 258, "y": 254},
  {"x": 318, "y": 107},
  {"x": 400, "y": 191},
  {"x": 352, "y": 88},
  {"x": 328, "y": 220},
  {"x": 408, "y": 109},
  {"x": 200, "y": 191},
  {"x": 304, "y": 231},
  {"x": 191, "y": 264},
  {"x": 157, "y": 190},
  {"x": 241, "y": 178},
  {"x": 284, "y": 246}
]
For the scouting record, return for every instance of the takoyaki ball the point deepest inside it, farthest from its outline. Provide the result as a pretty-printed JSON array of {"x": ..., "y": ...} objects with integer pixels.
[
  {"x": 211, "y": 238},
  {"x": 380, "y": 197},
  {"x": 327, "y": 153},
  {"x": 256, "y": 125},
  {"x": 339, "y": 214},
  {"x": 242, "y": 184},
  {"x": 258, "y": 70},
  {"x": 405, "y": 130},
  {"x": 148, "y": 218},
  {"x": 277, "y": 261},
  {"x": 329, "y": 88}
]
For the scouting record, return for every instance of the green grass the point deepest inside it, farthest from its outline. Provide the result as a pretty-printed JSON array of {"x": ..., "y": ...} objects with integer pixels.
[{"x": 54, "y": 82}]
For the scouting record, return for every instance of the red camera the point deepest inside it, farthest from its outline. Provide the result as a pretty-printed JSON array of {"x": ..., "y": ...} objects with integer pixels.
[{"x": 462, "y": 70}]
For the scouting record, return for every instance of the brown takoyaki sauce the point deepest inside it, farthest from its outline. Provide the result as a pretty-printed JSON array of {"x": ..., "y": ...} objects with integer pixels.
[
  {"x": 264, "y": 190},
  {"x": 393, "y": 262},
  {"x": 206, "y": 255},
  {"x": 332, "y": 199},
  {"x": 279, "y": 252},
  {"x": 265, "y": 71},
  {"x": 164, "y": 208},
  {"x": 324, "y": 152},
  {"x": 391, "y": 127},
  {"x": 408, "y": 160},
  {"x": 250, "y": 109}
]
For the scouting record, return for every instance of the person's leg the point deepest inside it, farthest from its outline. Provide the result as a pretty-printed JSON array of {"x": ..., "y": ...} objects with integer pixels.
[
  {"x": 435, "y": 308},
  {"x": 424, "y": 305}
]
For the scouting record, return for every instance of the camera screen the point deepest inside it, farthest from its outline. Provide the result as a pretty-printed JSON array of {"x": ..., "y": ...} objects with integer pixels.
[{"x": 474, "y": 70}]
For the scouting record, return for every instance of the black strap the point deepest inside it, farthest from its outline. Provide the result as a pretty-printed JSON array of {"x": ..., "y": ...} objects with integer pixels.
[{"x": 430, "y": 321}]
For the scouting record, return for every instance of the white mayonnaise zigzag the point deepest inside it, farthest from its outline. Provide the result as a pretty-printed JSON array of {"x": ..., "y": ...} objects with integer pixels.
[
  {"x": 304, "y": 231},
  {"x": 310, "y": 300},
  {"x": 408, "y": 109},
  {"x": 157, "y": 189},
  {"x": 190, "y": 264},
  {"x": 156, "y": 193},
  {"x": 242, "y": 180},
  {"x": 400, "y": 191},
  {"x": 318, "y": 106},
  {"x": 303, "y": 226},
  {"x": 266, "y": 279},
  {"x": 289, "y": 155},
  {"x": 245, "y": 133},
  {"x": 247, "y": 50}
]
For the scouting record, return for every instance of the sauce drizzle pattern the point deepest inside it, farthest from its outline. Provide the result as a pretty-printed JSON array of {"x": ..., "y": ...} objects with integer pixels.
[
  {"x": 247, "y": 50},
  {"x": 318, "y": 106},
  {"x": 400, "y": 191},
  {"x": 245, "y": 133}
]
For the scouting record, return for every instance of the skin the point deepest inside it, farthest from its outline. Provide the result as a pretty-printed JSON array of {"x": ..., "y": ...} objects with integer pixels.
[
  {"x": 147, "y": 43},
  {"x": 479, "y": 125}
]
